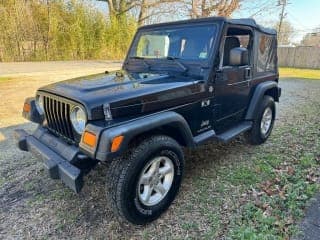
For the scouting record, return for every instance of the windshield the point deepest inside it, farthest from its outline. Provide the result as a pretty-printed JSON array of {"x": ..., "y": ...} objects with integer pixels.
[{"x": 179, "y": 42}]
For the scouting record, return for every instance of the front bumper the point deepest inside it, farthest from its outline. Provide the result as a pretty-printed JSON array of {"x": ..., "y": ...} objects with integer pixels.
[{"x": 58, "y": 157}]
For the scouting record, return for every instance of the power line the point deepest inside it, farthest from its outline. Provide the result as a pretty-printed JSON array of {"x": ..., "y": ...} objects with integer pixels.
[
  {"x": 304, "y": 28},
  {"x": 296, "y": 20}
]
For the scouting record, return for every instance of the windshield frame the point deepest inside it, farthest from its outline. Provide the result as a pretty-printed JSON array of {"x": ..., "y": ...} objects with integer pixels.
[{"x": 131, "y": 53}]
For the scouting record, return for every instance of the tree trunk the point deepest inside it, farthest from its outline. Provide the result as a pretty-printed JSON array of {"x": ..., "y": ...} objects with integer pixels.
[
  {"x": 46, "y": 43},
  {"x": 143, "y": 13},
  {"x": 194, "y": 10}
]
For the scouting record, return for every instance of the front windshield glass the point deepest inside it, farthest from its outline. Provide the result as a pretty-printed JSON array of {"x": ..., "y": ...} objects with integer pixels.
[{"x": 183, "y": 42}]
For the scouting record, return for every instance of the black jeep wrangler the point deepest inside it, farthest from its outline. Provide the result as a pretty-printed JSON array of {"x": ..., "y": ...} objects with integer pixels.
[{"x": 182, "y": 84}]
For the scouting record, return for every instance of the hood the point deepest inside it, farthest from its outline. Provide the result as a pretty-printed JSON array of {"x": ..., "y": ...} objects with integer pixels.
[{"x": 127, "y": 93}]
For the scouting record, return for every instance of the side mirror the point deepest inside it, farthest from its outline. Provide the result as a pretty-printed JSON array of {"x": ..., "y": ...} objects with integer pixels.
[{"x": 238, "y": 56}]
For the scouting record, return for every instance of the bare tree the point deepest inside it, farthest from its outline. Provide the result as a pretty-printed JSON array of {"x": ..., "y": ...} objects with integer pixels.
[
  {"x": 143, "y": 9},
  {"x": 118, "y": 8},
  {"x": 151, "y": 8},
  {"x": 286, "y": 33},
  {"x": 206, "y": 8},
  {"x": 312, "y": 38}
]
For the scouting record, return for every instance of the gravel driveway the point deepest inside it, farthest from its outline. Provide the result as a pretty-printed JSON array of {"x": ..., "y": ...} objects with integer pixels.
[{"x": 34, "y": 206}]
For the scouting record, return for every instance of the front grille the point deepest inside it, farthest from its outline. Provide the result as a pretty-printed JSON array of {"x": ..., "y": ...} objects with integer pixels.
[{"x": 58, "y": 117}]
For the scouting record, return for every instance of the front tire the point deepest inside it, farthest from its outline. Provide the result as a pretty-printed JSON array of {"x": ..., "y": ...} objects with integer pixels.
[
  {"x": 263, "y": 122},
  {"x": 142, "y": 184}
]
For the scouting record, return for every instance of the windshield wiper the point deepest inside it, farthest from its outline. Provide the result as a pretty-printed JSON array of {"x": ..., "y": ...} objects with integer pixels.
[
  {"x": 176, "y": 60},
  {"x": 143, "y": 60}
]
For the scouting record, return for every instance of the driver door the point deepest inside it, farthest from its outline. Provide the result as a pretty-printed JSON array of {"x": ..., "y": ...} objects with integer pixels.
[{"x": 232, "y": 86}]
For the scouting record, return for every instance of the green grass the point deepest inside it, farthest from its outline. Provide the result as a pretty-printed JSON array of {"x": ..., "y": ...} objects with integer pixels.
[
  {"x": 299, "y": 73},
  {"x": 273, "y": 216},
  {"x": 264, "y": 195},
  {"x": 3, "y": 79},
  {"x": 286, "y": 179}
]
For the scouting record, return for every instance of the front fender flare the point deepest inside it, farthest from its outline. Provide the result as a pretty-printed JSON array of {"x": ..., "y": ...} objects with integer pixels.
[{"x": 136, "y": 127}]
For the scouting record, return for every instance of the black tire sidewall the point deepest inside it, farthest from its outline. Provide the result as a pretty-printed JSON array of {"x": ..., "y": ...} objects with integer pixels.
[
  {"x": 267, "y": 103},
  {"x": 135, "y": 210},
  {"x": 255, "y": 136}
]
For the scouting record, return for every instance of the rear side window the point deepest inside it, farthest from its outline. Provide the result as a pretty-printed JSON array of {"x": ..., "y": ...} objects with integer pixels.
[{"x": 266, "y": 56}]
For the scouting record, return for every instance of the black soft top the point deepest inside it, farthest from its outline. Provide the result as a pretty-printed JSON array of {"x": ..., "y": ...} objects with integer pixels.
[
  {"x": 252, "y": 23},
  {"x": 241, "y": 21}
]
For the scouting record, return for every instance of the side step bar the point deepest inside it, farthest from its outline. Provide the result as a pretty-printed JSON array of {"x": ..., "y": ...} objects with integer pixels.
[
  {"x": 235, "y": 131},
  {"x": 225, "y": 136},
  {"x": 203, "y": 137}
]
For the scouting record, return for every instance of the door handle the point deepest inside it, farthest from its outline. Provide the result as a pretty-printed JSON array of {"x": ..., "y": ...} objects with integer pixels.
[{"x": 247, "y": 72}]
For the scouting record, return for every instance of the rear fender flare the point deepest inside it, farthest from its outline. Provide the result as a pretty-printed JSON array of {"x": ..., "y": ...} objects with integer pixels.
[{"x": 257, "y": 97}]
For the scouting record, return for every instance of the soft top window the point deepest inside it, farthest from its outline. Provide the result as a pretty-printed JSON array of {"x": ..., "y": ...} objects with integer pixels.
[{"x": 266, "y": 53}]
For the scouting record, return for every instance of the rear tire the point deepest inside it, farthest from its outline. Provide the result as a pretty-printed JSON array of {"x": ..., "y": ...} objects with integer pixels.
[
  {"x": 263, "y": 122},
  {"x": 142, "y": 184}
]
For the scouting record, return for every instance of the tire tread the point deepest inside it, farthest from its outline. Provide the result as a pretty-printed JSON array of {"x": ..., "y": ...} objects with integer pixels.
[{"x": 119, "y": 169}]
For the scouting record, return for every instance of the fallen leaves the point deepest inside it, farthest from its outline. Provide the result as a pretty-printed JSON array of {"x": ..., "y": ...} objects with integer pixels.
[
  {"x": 283, "y": 169},
  {"x": 281, "y": 197},
  {"x": 313, "y": 176}
]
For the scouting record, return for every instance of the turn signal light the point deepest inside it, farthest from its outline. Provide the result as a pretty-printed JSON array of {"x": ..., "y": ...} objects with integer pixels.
[
  {"x": 26, "y": 107},
  {"x": 89, "y": 138},
  {"x": 116, "y": 143}
]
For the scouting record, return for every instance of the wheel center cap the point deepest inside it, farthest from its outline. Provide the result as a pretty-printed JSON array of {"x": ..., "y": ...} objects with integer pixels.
[{"x": 155, "y": 181}]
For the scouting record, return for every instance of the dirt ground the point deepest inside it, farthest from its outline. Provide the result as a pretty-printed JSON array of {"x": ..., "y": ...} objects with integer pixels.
[
  {"x": 26, "y": 77},
  {"x": 32, "y": 206}
]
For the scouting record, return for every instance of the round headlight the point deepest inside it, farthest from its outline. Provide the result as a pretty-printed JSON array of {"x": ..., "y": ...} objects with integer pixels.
[
  {"x": 78, "y": 119},
  {"x": 40, "y": 104}
]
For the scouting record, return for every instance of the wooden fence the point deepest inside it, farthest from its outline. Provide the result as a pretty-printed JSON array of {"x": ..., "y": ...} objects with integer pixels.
[{"x": 299, "y": 57}]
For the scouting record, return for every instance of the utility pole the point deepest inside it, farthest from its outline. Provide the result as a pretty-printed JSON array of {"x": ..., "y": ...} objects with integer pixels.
[{"x": 283, "y": 4}]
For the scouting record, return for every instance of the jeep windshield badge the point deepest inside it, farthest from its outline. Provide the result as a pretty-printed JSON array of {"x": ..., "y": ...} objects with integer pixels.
[{"x": 175, "y": 89}]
